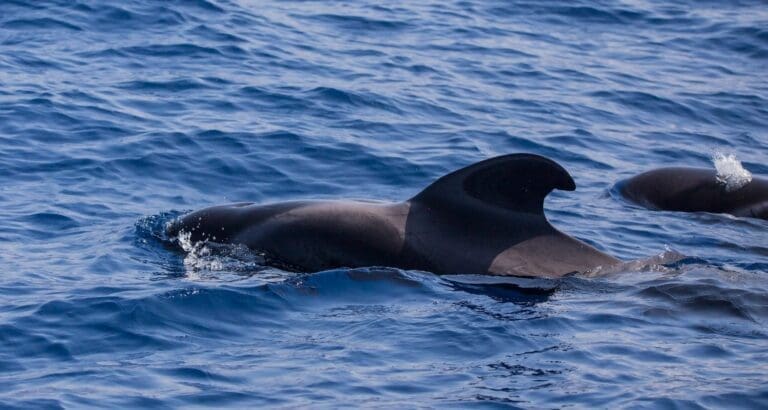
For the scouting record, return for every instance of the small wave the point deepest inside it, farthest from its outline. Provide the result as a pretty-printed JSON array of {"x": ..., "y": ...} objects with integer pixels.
[
  {"x": 265, "y": 98},
  {"x": 211, "y": 33},
  {"x": 360, "y": 23},
  {"x": 27, "y": 61},
  {"x": 518, "y": 290},
  {"x": 730, "y": 172},
  {"x": 665, "y": 262},
  {"x": 181, "y": 84},
  {"x": 51, "y": 220},
  {"x": 204, "y": 5},
  {"x": 600, "y": 16},
  {"x": 173, "y": 50},
  {"x": 709, "y": 297},
  {"x": 41, "y": 23},
  {"x": 336, "y": 97},
  {"x": 650, "y": 103},
  {"x": 748, "y": 41}
]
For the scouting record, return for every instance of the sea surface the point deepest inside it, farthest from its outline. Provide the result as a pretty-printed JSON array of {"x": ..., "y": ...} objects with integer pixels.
[{"x": 118, "y": 116}]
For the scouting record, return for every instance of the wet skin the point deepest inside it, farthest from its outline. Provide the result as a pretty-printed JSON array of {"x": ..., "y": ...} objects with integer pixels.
[
  {"x": 696, "y": 190},
  {"x": 487, "y": 218}
]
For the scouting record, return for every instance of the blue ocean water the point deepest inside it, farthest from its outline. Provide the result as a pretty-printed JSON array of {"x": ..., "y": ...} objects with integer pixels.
[{"x": 117, "y": 116}]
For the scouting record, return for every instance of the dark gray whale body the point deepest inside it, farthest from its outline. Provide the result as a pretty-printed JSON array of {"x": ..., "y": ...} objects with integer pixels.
[
  {"x": 487, "y": 218},
  {"x": 695, "y": 190}
]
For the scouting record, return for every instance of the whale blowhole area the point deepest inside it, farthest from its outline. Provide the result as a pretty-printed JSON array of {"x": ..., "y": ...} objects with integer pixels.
[{"x": 730, "y": 172}]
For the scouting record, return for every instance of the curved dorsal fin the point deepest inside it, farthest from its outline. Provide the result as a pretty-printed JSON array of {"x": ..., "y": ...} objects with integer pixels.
[{"x": 515, "y": 182}]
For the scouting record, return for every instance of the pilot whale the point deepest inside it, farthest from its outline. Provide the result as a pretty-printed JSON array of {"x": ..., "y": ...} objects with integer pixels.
[
  {"x": 487, "y": 218},
  {"x": 696, "y": 190}
]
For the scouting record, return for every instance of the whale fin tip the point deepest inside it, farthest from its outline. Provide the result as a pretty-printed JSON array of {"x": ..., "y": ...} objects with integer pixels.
[{"x": 517, "y": 182}]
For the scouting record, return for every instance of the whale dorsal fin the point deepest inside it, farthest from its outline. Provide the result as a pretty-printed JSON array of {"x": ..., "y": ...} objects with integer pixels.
[{"x": 515, "y": 182}]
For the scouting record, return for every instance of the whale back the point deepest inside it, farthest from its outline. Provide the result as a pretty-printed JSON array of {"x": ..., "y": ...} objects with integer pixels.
[
  {"x": 515, "y": 182},
  {"x": 695, "y": 190},
  {"x": 486, "y": 218}
]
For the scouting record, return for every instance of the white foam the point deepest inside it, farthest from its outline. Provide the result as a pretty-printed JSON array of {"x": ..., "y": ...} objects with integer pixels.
[
  {"x": 730, "y": 172},
  {"x": 199, "y": 256},
  {"x": 206, "y": 260}
]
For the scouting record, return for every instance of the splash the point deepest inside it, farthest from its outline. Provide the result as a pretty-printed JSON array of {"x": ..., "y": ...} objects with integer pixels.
[
  {"x": 730, "y": 172},
  {"x": 203, "y": 258},
  {"x": 199, "y": 255}
]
